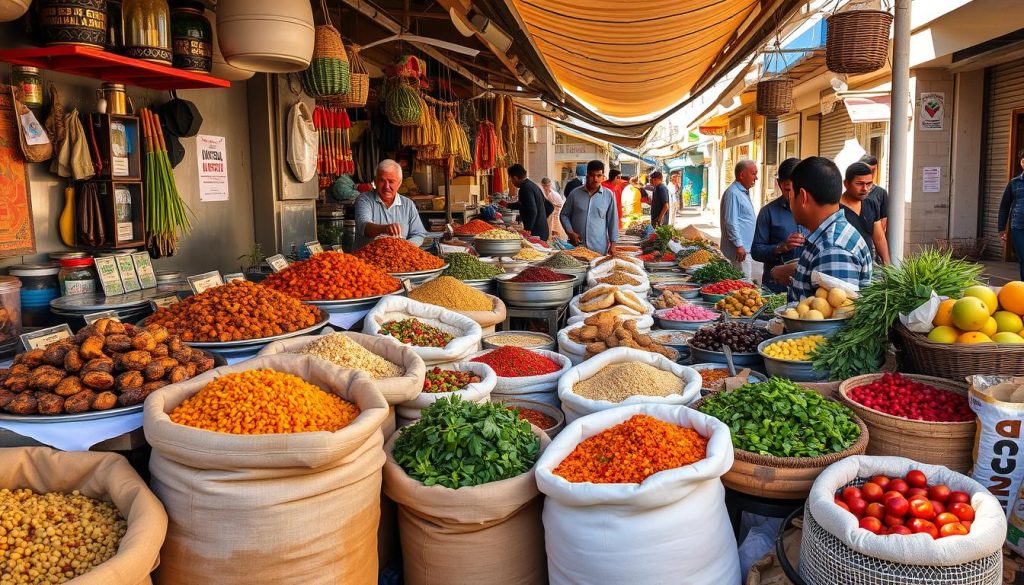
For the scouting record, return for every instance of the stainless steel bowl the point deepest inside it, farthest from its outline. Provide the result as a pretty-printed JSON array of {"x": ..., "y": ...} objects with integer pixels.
[
  {"x": 740, "y": 359},
  {"x": 681, "y": 325},
  {"x": 539, "y": 295},
  {"x": 579, "y": 274},
  {"x": 823, "y": 326},
  {"x": 420, "y": 276},
  {"x": 794, "y": 370},
  {"x": 653, "y": 266},
  {"x": 482, "y": 284},
  {"x": 544, "y": 341},
  {"x": 497, "y": 247}
]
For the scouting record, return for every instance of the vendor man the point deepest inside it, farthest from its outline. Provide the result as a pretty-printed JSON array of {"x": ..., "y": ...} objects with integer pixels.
[
  {"x": 777, "y": 237},
  {"x": 590, "y": 216},
  {"x": 383, "y": 212}
]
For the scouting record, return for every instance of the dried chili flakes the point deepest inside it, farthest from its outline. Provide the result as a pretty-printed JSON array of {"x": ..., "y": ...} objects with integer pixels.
[
  {"x": 632, "y": 451},
  {"x": 515, "y": 362},
  {"x": 540, "y": 274},
  {"x": 534, "y": 417}
]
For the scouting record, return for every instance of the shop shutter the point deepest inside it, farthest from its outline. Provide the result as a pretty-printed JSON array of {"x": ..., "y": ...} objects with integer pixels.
[
  {"x": 1005, "y": 93},
  {"x": 771, "y": 141},
  {"x": 833, "y": 132}
]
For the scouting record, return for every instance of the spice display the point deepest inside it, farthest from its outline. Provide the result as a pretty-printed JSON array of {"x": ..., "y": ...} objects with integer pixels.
[
  {"x": 780, "y": 418},
  {"x": 539, "y": 274},
  {"x": 605, "y": 330},
  {"x": 518, "y": 340},
  {"x": 825, "y": 304},
  {"x": 332, "y": 276},
  {"x": 104, "y": 365},
  {"x": 439, "y": 380},
  {"x": 510, "y": 361},
  {"x": 467, "y": 267},
  {"x": 456, "y": 443},
  {"x": 617, "y": 382},
  {"x": 669, "y": 299},
  {"x": 716, "y": 271},
  {"x": 725, "y": 287},
  {"x": 658, "y": 257},
  {"x": 637, "y": 228},
  {"x": 740, "y": 337},
  {"x": 340, "y": 350},
  {"x": 713, "y": 378},
  {"x": 264, "y": 402},
  {"x": 907, "y": 398},
  {"x": 657, "y": 241},
  {"x": 397, "y": 255},
  {"x": 632, "y": 451},
  {"x": 619, "y": 278},
  {"x": 741, "y": 303},
  {"x": 534, "y": 417},
  {"x": 450, "y": 293},
  {"x": 531, "y": 255},
  {"x": 606, "y": 296},
  {"x": 688, "y": 313},
  {"x": 498, "y": 234},
  {"x": 55, "y": 537},
  {"x": 903, "y": 506},
  {"x": 415, "y": 332},
  {"x": 235, "y": 311},
  {"x": 698, "y": 258},
  {"x": 582, "y": 253},
  {"x": 473, "y": 227},
  {"x": 795, "y": 350},
  {"x": 563, "y": 260}
]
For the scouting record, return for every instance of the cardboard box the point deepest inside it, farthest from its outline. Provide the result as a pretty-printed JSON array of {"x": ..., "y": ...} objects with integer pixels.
[{"x": 462, "y": 193}]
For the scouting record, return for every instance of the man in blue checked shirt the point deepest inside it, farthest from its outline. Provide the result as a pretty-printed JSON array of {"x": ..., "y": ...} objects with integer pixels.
[{"x": 834, "y": 247}]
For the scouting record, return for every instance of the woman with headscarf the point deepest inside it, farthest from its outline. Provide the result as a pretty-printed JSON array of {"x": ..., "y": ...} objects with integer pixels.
[{"x": 557, "y": 200}]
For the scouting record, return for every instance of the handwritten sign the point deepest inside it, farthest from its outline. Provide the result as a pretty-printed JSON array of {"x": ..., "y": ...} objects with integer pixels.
[
  {"x": 163, "y": 302},
  {"x": 45, "y": 337},
  {"x": 314, "y": 247},
  {"x": 110, "y": 277},
  {"x": 94, "y": 317},
  {"x": 205, "y": 281},
  {"x": 144, "y": 269},
  {"x": 277, "y": 262}
]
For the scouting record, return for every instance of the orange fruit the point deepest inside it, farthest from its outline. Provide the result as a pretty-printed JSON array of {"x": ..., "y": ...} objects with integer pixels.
[
  {"x": 973, "y": 337},
  {"x": 945, "y": 315},
  {"x": 1011, "y": 297}
]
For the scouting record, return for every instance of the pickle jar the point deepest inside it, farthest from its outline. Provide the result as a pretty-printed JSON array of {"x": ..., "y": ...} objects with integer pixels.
[
  {"x": 29, "y": 84},
  {"x": 78, "y": 276}
]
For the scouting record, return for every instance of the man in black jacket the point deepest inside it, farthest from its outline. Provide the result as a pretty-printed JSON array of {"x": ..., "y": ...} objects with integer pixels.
[
  {"x": 577, "y": 181},
  {"x": 533, "y": 208}
]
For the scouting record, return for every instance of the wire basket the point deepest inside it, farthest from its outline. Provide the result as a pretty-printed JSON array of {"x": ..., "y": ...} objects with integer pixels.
[
  {"x": 857, "y": 41},
  {"x": 774, "y": 96},
  {"x": 967, "y": 248}
]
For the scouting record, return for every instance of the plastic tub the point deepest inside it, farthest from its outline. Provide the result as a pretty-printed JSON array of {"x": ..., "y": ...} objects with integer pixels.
[
  {"x": 39, "y": 286},
  {"x": 10, "y": 310}
]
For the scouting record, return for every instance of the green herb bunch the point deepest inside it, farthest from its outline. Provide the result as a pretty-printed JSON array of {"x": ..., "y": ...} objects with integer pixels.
[
  {"x": 716, "y": 271},
  {"x": 458, "y": 443},
  {"x": 780, "y": 418},
  {"x": 859, "y": 347}
]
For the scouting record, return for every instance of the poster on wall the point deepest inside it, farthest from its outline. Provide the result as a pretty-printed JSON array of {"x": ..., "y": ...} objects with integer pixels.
[
  {"x": 17, "y": 237},
  {"x": 213, "y": 167},
  {"x": 933, "y": 110}
]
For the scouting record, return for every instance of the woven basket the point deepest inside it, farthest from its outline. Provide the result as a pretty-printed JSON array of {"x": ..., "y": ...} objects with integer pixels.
[
  {"x": 774, "y": 96},
  {"x": 328, "y": 73},
  {"x": 956, "y": 361},
  {"x": 857, "y": 41},
  {"x": 937, "y": 443},
  {"x": 359, "y": 87}
]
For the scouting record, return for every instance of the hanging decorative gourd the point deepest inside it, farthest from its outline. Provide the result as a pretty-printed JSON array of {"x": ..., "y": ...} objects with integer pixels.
[
  {"x": 857, "y": 41},
  {"x": 403, "y": 105},
  {"x": 13, "y": 9},
  {"x": 270, "y": 36},
  {"x": 328, "y": 73}
]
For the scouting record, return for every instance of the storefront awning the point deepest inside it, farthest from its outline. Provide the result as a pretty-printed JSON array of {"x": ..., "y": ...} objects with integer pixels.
[{"x": 862, "y": 109}]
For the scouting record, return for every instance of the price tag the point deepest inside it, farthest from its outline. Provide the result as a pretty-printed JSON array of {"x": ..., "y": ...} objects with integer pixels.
[
  {"x": 407, "y": 285},
  {"x": 112, "y": 315},
  {"x": 277, "y": 262},
  {"x": 314, "y": 247},
  {"x": 44, "y": 337},
  {"x": 163, "y": 302},
  {"x": 205, "y": 281},
  {"x": 110, "y": 277},
  {"x": 337, "y": 248},
  {"x": 126, "y": 268},
  {"x": 144, "y": 269},
  {"x": 232, "y": 277}
]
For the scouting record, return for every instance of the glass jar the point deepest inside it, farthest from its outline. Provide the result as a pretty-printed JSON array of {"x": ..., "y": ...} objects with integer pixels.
[
  {"x": 10, "y": 311},
  {"x": 146, "y": 25},
  {"x": 78, "y": 276},
  {"x": 39, "y": 286},
  {"x": 29, "y": 84},
  {"x": 191, "y": 37}
]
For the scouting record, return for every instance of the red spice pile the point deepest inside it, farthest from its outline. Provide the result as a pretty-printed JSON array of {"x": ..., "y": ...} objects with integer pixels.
[
  {"x": 515, "y": 362},
  {"x": 540, "y": 274},
  {"x": 534, "y": 417},
  {"x": 474, "y": 227}
]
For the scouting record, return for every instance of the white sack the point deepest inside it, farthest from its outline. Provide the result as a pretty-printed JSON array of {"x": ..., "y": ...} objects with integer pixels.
[
  {"x": 478, "y": 392},
  {"x": 575, "y": 310},
  {"x": 998, "y": 459},
  {"x": 467, "y": 332},
  {"x": 630, "y": 259},
  {"x": 543, "y": 388},
  {"x": 303, "y": 142},
  {"x": 576, "y": 352}
]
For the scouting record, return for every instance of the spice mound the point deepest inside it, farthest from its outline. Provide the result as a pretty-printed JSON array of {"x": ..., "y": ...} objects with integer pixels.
[
  {"x": 617, "y": 382},
  {"x": 473, "y": 227},
  {"x": 563, "y": 260},
  {"x": 340, "y": 350},
  {"x": 332, "y": 276},
  {"x": 457, "y": 443},
  {"x": 534, "y": 417},
  {"x": 450, "y": 293},
  {"x": 699, "y": 257},
  {"x": 466, "y": 267},
  {"x": 264, "y": 402},
  {"x": 55, "y": 537},
  {"x": 236, "y": 311},
  {"x": 582, "y": 253},
  {"x": 440, "y": 380},
  {"x": 498, "y": 234},
  {"x": 539, "y": 274},
  {"x": 619, "y": 278},
  {"x": 529, "y": 255},
  {"x": 632, "y": 451},
  {"x": 416, "y": 332},
  {"x": 397, "y": 255},
  {"x": 713, "y": 378},
  {"x": 518, "y": 340},
  {"x": 104, "y": 365},
  {"x": 515, "y": 362}
]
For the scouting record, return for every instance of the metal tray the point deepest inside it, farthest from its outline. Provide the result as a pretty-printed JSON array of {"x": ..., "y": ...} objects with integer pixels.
[
  {"x": 228, "y": 346},
  {"x": 351, "y": 305},
  {"x": 98, "y": 302},
  {"x": 419, "y": 273}
]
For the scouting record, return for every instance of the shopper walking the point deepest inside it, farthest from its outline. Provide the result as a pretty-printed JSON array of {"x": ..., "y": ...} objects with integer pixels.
[
  {"x": 778, "y": 239},
  {"x": 590, "y": 216},
  {"x": 675, "y": 196},
  {"x": 533, "y": 207},
  {"x": 1011, "y": 214},
  {"x": 557, "y": 201},
  {"x": 737, "y": 218},
  {"x": 660, "y": 200}
]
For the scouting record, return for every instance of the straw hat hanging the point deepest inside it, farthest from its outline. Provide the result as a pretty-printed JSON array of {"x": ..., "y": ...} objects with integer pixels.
[{"x": 328, "y": 73}]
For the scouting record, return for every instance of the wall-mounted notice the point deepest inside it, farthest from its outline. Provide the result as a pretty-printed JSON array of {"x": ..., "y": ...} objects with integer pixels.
[{"x": 211, "y": 154}]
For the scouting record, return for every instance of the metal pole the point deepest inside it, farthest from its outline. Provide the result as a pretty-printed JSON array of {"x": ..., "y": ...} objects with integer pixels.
[{"x": 899, "y": 133}]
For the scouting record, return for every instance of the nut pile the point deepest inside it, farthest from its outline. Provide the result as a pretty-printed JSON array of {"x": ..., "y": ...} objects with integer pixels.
[
  {"x": 55, "y": 537},
  {"x": 450, "y": 293},
  {"x": 106, "y": 364},
  {"x": 340, "y": 350},
  {"x": 740, "y": 337},
  {"x": 605, "y": 330},
  {"x": 332, "y": 276},
  {"x": 529, "y": 255},
  {"x": 607, "y": 296},
  {"x": 498, "y": 234},
  {"x": 617, "y": 382},
  {"x": 397, "y": 255},
  {"x": 741, "y": 303},
  {"x": 236, "y": 311}
]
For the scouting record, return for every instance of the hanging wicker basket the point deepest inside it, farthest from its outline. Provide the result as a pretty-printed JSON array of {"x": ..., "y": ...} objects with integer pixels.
[
  {"x": 857, "y": 41},
  {"x": 774, "y": 96},
  {"x": 403, "y": 104},
  {"x": 359, "y": 87},
  {"x": 328, "y": 73}
]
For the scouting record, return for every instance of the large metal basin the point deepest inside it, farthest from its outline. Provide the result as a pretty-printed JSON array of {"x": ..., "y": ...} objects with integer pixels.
[
  {"x": 538, "y": 295},
  {"x": 497, "y": 247}
]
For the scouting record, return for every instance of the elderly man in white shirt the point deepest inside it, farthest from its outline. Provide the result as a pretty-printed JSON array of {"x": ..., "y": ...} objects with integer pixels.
[{"x": 384, "y": 212}]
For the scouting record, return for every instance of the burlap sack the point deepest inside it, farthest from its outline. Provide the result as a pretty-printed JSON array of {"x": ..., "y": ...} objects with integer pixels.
[
  {"x": 103, "y": 476},
  {"x": 284, "y": 509},
  {"x": 487, "y": 319},
  {"x": 395, "y": 390},
  {"x": 490, "y": 533}
]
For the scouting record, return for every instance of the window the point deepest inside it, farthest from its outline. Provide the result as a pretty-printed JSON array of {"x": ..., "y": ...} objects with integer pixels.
[{"x": 787, "y": 148}]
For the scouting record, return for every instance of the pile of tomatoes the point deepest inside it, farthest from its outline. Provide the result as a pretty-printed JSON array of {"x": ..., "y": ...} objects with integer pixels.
[
  {"x": 908, "y": 505},
  {"x": 724, "y": 287}
]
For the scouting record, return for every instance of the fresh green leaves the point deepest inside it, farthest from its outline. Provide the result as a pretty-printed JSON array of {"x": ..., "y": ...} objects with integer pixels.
[
  {"x": 458, "y": 443},
  {"x": 780, "y": 418},
  {"x": 716, "y": 271}
]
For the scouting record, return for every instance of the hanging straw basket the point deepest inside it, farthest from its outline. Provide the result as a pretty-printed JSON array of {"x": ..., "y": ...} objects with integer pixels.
[
  {"x": 359, "y": 88},
  {"x": 328, "y": 73},
  {"x": 857, "y": 41},
  {"x": 774, "y": 96}
]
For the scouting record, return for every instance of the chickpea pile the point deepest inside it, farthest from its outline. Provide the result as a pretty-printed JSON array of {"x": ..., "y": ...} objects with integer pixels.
[
  {"x": 54, "y": 537},
  {"x": 797, "y": 350},
  {"x": 741, "y": 303}
]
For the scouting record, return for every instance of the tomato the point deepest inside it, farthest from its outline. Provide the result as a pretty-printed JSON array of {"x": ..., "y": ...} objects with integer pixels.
[
  {"x": 946, "y": 518},
  {"x": 850, "y": 493},
  {"x": 939, "y": 493},
  {"x": 963, "y": 511},
  {"x": 938, "y": 506},
  {"x": 875, "y": 510},
  {"x": 857, "y": 506},
  {"x": 891, "y": 520},
  {"x": 922, "y": 508},
  {"x": 842, "y": 504},
  {"x": 918, "y": 497},
  {"x": 917, "y": 492},
  {"x": 901, "y": 530},
  {"x": 881, "y": 480},
  {"x": 920, "y": 525},
  {"x": 871, "y": 524},
  {"x": 896, "y": 504},
  {"x": 967, "y": 524},
  {"x": 917, "y": 478},
  {"x": 955, "y": 497},
  {"x": 953, "y": 529},
  {"x": 898, "y": 485},
  {"x": 890, "y": 494},
  {"x": 872, "y": 492}
]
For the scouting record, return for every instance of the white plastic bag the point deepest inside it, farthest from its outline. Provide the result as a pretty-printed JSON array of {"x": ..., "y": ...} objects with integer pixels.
[
  {"x": 831, "y": 282},
  {"x": 542, "y": 388},
  {"x": 575, "y": 406},
  {"x": 987, "y": 531},
  {"x": 576, "y": 352},
  {"x": 998, "y": 458},
  {"x": 467, "y": 332},
  {"x": 636, "y": 534},
  {"x": 303, "y": 142},
  {"x": 478, "y": 392},
  {"x": 920, "y": 319}
]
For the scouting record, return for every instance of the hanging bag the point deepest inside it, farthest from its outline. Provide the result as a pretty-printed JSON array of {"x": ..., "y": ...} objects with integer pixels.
[
  {"x": 303, "y": 141},
  {"x": 35, "y": 144}
]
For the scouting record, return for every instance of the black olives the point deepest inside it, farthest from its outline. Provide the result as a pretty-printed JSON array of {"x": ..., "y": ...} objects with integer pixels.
[{"x": 740, "y": 337}]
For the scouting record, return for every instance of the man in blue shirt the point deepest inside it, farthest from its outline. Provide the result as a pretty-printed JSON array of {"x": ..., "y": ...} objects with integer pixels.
[
  {"x": 737, "y": 218},
  {"x": 777, "y": 237},
  {"x": 590, "y": 215},
  {"x": 384, "y": 212},
  {"x": 660, "y": 200},
  {"x": 1011, "y": 214}
]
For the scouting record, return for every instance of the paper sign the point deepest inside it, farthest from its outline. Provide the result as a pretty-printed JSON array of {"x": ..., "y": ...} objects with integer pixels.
[
  {"x": 314, "y": 247},
  {"x": 211, "y": 155},
  {"x": 205, "y": 281},
  {"x": 112, "y": 315},
  {"x": 277, "y": 262},
  {"x": 337, "y": 248},
  {"x": 44, "y": 337},
  {"x": 931, "y": 179},
  {"x": 163, "y": 302},
  {"x": 407, "y": 285},
  {"x": 126, "y": 268},
  {"x": 110, "y": 278},
  {"x": 144, "y": 269},
  {"x": 232, "y": 277}
]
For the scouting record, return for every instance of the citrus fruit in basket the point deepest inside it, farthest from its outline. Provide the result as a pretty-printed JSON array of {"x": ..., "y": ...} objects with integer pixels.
[
  {"x": 1008, "y": 322},
  {"x": 1011, "y": 297},
  {"x": 1007, "y": 337},
  {"x": 970, "y": 314},
  {"x": 990, "y": 327},
  {"x": 944, "y": 334},
  {"x": 987, "y": 296},
  {"x": 944, "y": 317},
  {"x": 974, "y": 337}
]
